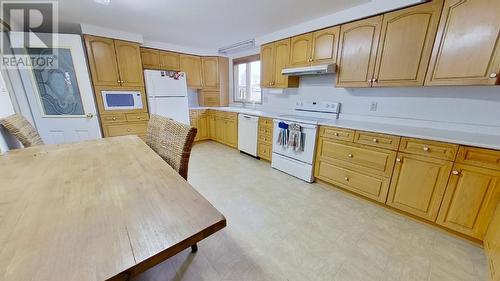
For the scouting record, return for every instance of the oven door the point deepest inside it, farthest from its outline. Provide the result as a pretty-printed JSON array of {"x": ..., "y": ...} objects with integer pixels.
[
  {"x": 122, "y": 100},
  {"x": 306, "y": 155}
]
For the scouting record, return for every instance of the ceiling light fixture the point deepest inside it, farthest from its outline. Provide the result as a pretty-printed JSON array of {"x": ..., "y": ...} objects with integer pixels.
[
  {"x": 102, "y": 2},
  {"x": 238, "y": 47}
]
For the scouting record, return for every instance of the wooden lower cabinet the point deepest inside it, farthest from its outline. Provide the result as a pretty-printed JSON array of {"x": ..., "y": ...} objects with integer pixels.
[
  {"x": 200, "y": 120},
  {"x": 223, "y": 127},
  {"x": 470, "y": 200},
  {"x": 418, "y": 185},
  {"x": 369, "y": 186},
  {"x": 124, "y": 129},
  {"x": 492, "y": 245},
  {"x": 265, "y": 138},
  {"x": 211, "y": 124}
]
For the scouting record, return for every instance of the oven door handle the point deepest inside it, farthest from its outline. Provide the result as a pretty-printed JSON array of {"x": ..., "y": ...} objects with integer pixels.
[{"x": 309, "y": 126}]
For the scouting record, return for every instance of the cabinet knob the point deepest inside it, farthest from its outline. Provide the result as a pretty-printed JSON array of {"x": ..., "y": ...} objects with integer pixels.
[
  {"x": 114, "y": 118},
  {"x": 336, "y": 134},
  {"x": 375, "y": 80},
  {"x": 398, "y": 159},
  {"x": 375, "y": 140},
  {"x": 455, "y": 173},
  {"x": 349, "y": 155},
  {"x": 346, "y": 178},
  {"x": 128, "y": 130},
  {"x": 426, "y": 148},
  {"x": 493, "y": 75},
  {"x": 138, "y": 117}
]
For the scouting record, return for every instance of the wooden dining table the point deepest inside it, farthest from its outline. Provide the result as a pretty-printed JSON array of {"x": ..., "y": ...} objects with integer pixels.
[{"x": 105, "y": 209}]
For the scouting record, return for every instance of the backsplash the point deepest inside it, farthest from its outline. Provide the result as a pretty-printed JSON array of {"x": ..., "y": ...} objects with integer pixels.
[{"x": 460, "y": 105}]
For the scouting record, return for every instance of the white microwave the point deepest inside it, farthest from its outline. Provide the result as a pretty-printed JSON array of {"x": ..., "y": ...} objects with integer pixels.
[{"x": 122, "y": 100}]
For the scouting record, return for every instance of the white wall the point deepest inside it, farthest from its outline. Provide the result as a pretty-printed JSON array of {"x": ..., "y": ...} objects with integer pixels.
[{"x": 460, "y": 108}]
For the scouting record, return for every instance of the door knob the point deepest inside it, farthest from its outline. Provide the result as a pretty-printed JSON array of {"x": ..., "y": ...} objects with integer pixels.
[{"x": 89, "y": 115}]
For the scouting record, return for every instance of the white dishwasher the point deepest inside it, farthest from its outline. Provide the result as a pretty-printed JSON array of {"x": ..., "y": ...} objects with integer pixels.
[{"x": 248, "y": 128}]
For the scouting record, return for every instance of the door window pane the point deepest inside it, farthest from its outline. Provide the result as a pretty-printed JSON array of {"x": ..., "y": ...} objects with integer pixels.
[{"x": 58, "y": 88}]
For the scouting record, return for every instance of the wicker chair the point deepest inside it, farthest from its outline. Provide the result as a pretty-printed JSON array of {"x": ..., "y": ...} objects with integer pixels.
[
  {"x": 172, "y": 141},
  {"x": 22, "y": 129}
]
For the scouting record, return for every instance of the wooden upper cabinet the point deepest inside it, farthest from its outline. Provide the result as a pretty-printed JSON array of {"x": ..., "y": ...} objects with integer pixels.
[
  {"x": 418, "y": 185},
  {"x": 405, "y": 45},
  {"x": 210, "y": 66},
  {"x": 170, "y": 61},
  {"x": 128, "y": 56},
  {"x": 191, "y": 65},
  {"x": 102, "y": 61},
  {"x": 325, "y": 45},
  {"x": 301, "y": 50},
  {"x": 470, "y": 200},
  {"x": 150, "y": 58},
  {"x": 467, "y": 46},
  {"x": 267, "y": 65},
  {"x": 281, "y": 61},
  {"x": 357, "y": 52}
]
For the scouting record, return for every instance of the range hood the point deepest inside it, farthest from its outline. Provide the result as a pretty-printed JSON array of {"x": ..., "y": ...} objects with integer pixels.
[{"x": 310, "y": 70}]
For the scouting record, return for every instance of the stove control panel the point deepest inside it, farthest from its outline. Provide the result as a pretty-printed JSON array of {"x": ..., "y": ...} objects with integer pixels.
[{"x": 318, "y": 106}]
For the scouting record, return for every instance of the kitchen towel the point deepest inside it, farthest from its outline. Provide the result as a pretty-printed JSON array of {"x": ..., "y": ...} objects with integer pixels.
[
  {"x": 283, "y": 134},
  {"x": 295, "y": 137}
]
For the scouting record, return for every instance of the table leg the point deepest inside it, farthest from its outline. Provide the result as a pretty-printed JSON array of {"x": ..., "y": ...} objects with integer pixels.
[{"x": 194, "y": 248}]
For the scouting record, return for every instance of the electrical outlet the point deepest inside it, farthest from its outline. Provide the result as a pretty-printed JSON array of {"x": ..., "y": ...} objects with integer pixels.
[{"x": 373, "y": 106}]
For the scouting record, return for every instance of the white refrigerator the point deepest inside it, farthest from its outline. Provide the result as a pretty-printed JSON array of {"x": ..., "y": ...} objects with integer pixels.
[{"x": 167, "y": 94}]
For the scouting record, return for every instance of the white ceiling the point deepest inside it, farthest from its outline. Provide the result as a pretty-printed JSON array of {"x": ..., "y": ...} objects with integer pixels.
[{"x": 204, "y": 24}]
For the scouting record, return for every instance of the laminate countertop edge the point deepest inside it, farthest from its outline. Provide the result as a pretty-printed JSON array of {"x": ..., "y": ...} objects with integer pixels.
[{"x": 457, "y": 137}]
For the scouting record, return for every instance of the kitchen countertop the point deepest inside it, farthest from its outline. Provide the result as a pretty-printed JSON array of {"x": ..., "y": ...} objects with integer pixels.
[{"x": 451, "y": 136}]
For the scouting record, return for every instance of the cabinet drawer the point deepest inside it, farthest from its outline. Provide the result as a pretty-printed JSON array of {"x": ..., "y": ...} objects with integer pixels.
[
  {"x": 377, "y": 140},
  {"x": 481, "y": 157},
  {"x": 268, "y": 131},
  {"x": 263, "y": 121},
  {"x": 336, "y": 133},
  {"x": 265, "y": 138},
  {"x": 227, "y": 115},
  {"x": 211, "y": 99},
  {"x": 113, "y": 118},
  {"x": 134, "y": 117},
  {"x": 375, "y": 188},
  {"x": 265, "y": 151},
  {"x": 371, "y": 160},
  {"x": 126, "y": 129},
  {"x": 440, "y": 150}
]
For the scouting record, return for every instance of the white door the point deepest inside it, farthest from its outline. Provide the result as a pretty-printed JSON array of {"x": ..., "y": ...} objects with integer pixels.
[{"x": 61, "y": 99}]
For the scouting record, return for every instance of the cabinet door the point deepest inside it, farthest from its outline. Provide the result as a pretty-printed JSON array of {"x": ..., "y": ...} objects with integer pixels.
[
  {"x": 193, "y": 121},
  {"x": 281, "y": 60},
  {"x": 470, "y": 200},
  {"x": 170, "y": 61},
  {"x": 150, "y": 58},
  {"x": 211, "y": 126},
  {"x": 191, "y": 65},
  {"x": 102, "y": 61},
  {"x": 467, "y": 46},
  {"x": 210, "y": 72},
  {"x": 406, "y": 44},
  {"x": 418, "y": 185},
  {"x": 231, "y": 133},
  {"x": 267, "y": 65},
  {"x": 357, "y": 52},
  {"x": 325, "y": 43},
  {"x": 492, "y": 245},
  {"x": 220, "y": 129},
  {"x": 203, "y": 127},
  {"x": 300, "y": 50},
  {"x": 128, "y": 57}
]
